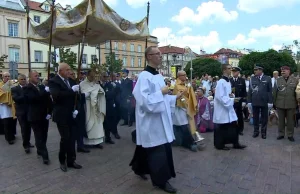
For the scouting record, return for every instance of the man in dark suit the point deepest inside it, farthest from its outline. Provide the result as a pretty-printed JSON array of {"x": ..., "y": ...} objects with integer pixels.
[
  {"x": 238, "y": 84},
  {"x": 117, "y": 81},
  {"x": 126, "y": 95},
  {"x": 261, "y": 100},
  {"x": 21, "y": 111},
  {"x": 63, "y": 93},
  {"x": 39, "y": 113}
]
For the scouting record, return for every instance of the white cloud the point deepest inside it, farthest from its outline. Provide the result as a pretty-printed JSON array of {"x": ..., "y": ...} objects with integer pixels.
[
  {"x": 211, "y": 10},
  {"x": 209, "y": 43},
  {"x": 241, "y": 40},
  {"x": 253, "y": 6},
  {"x": 185, "y": 30}
]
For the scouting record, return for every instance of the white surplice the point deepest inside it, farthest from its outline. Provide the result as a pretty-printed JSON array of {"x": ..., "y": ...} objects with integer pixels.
[
  {"x": 154, "y": 124},
  {"x": 223, "y": 104},
  {"x": 95, "y": 112}
]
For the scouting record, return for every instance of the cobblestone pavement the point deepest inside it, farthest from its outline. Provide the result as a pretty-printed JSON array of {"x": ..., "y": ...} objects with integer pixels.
[{"x": 266, "y": 166}]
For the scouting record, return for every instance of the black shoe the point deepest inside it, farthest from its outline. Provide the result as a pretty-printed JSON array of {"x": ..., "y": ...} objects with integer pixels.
[
  {"x": 74, "y": 165},
  {"x": 168, "y": 188},
  {"x": 31, "y": 146},
  {"x": 247, "y": 120},
  {"x": 83, "y": 150},
  {"x": 255, "y": 135},
  {"x": 63, "y": 167},
  {"x": 98, "y": 146},
  {"x": 11, "y": 142},
  {"x": 280, "y": 137},
  {"x": 224, "y": 148},
  {"x": 239, "y": 146},
  {"x": 109, "y": 141},
  {"x": 117, "y": 136},
  {"x": 143, "y": 176},
  {"x": 130, "y": 124},
  {"x": 124, "y": 124},
  {"x": 27, "y": 150},
  {"x": 46, "y": 161},
  {"x": 291, "y": 139},
  {"x": 264, "y": 136},
  {"x": 241, "y": 133}
]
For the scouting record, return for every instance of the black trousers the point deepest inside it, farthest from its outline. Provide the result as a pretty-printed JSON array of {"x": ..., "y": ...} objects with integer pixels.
[
  {"x": 239, "y": 113},
  {"x": 67, "y": 142},
  {"x": 226, "y": 134},
  {"x": 110, "y": 126},
  {"x": 9, "y": 129},
  {"x": 1, "y": 127},
  {"x": 125, "y": 114},
  {"x": 40, "y": 131},
  {"x": 25, "y": 130},
  {"x": 183, "y": 136},
  {"x": 263, "y": 112}
]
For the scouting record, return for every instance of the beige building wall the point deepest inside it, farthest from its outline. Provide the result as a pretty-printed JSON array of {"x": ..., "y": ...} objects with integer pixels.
[{"x": 234, "y": 62}]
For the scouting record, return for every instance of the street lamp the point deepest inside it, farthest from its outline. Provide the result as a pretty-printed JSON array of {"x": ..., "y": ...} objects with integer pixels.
[{"x": 188, "y": 50}]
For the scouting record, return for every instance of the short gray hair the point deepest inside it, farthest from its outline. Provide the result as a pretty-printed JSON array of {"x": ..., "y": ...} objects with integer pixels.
[{"x": 21, "y": 76}]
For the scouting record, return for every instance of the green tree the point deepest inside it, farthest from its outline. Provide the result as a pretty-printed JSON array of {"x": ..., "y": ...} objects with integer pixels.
[
  {"x": 2, "y": 59},
  {"x": 297, "y": 56},
  {"x": 270, "y": 60},
  {"x": 68, "y": 56},
  {"x": 113, "y": 65},
  {"x": 204, "y": 65}
]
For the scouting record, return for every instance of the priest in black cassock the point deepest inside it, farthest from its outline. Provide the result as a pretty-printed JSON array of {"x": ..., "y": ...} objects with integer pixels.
[{"x": 154, "y": 127}]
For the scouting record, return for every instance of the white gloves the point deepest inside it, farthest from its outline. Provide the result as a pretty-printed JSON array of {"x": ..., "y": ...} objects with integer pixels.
[
  {"x": 243, "y": 104},
  {"x": 48, "y": 117},
  {"x": 75, "y": 113},
  {"x": 270, "y": 105},
  {"x": 47, "y": 89},
  {"x": 249, "y": 105},
  {"x": 87, "y": 94},
  {"x": 75, "y": 88}
]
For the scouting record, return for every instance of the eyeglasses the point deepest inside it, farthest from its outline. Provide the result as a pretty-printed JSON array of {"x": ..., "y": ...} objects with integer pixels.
[{"x": 155, "y": 53}]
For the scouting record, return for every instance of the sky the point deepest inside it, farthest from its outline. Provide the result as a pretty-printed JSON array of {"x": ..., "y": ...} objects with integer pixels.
[{"x": 213, "y": 24}]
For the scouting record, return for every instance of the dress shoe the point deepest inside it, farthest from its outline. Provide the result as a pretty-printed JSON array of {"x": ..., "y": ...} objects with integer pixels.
[
  {"x": 143, "y": 176},
  {"x": 263, "y": 136},
  {"x": 124, "y": 124},
  {"x": 74, "y": 165},
  {"x": 27, "y": 150},
  {"x": 109, "y": 141},
  {"x": 117, "y": 136},
  {"x": 11, "y": 142},
  {"x": 31, "y": 146},
  {"x": 239, "y": 146},
  {"x": 98, "y": 146},
  {"x": 83, "y": 150},
  {"x": 255, "y": 135},
  {"x": 168, "y": 188},
  {"x": 241, "y": 133},
  {"x": 280, "y": 137},
  {"x": 291, "y": 139},
  {"x": 63, "y": 167},
  {"x": 46, "y": 161}
]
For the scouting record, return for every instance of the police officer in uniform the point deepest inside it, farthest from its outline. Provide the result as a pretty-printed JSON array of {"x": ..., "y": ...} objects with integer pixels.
[
  {"x": 238, "y": 86},
  {"x": 285, "y": 102},
  {"x": 261, "y": 100}
]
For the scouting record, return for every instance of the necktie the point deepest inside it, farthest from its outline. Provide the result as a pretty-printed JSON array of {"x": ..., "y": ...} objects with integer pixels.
[
  {"x": 37, "y": 87},
  {"x": 67, "y": 83}
]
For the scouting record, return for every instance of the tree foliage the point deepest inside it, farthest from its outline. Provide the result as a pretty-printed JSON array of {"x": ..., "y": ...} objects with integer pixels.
[
  {"x": 270, "y": 60},
  {"x": 68, "y": 56},
  {"x": 297, "y": 44},
  {"x": 204, "y": 65},
  {"x": 2, "y": 59},
  {"x": 113, "y": 65}
]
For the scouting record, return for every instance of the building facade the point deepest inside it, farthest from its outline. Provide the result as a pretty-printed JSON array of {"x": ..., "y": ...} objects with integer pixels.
[{"x": 226, "y": 56}]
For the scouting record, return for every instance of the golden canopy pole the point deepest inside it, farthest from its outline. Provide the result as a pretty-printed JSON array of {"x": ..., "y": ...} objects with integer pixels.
[
  {"x": 50, "y": 39},
  {"x": 28, "y": 41},
  {"x": 146, "y": 45}
]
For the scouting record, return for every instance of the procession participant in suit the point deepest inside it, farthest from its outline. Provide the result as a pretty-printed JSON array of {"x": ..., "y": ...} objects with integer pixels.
[
  {"x": 224, "y": 115},
  {"x": 238, "y": 86},
  {"x": 154, "y": 126},
  {"x": 63, "y": 93},
  {"x": 39, "y": 113},
  {"x": 285, "y": 101},
  {"x": 261, "y": 100},
  {"x": 7, "y": 108},
  {"x": 80, "y": 118},
  {"x": 118, "y": 96},
  {"x": 126, "y": 95},
  {"x": 95, "y": 110},
  {"x": 110, "y": 121},
  {"x": 22, "y": 111}
]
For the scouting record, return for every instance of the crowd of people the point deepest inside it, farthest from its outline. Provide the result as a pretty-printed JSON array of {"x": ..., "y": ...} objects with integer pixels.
[{"x": 166, "y": 112}]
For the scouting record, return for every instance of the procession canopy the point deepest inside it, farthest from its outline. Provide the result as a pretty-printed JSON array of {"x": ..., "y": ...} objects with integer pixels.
[{"x": 103, "y": 24}]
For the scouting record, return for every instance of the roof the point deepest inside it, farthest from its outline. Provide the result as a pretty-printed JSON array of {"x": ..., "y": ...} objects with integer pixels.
[
  {"x": 227, "y": 51},
  {"x": 13, "y": 5},
  {"x": 37, "y": 6},
  {"x": 171, "y": 49}
]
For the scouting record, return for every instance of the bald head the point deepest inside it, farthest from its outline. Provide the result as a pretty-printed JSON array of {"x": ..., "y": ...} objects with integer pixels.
[
  {"x": 34, "y": 77},
  {"x": 5, "y": 76},
  {"x": 64, "y": 70},
  {"x": 181, "y": 75}
]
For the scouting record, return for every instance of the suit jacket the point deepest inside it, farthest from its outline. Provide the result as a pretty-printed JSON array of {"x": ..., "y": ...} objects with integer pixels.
[
  {"x": 63, "y": 99},
  {"x": 118, "y": 94},
  {"x": 39, "y": 102},
  {"x": 240, "y": 89},
  {"x": 110, "y": 97},
  {"x": 260, "y": 91},
  {"x": 126, "y": 91},
  {"x": 20, "y": 100}
]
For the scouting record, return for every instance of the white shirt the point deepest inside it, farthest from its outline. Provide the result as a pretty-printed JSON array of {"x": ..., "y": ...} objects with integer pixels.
[{"x": 64, "y": 80}]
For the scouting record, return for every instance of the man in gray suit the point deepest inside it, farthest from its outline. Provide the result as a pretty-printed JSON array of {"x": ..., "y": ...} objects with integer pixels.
[{"x": 260, "y": 97}]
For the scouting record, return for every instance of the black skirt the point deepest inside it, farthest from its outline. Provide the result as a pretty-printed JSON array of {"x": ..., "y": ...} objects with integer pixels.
[
  {"x": 156, "y": 161},
  {"x": 226, "y": 134}
]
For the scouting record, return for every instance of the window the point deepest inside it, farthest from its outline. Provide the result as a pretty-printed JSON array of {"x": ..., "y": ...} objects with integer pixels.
[
  {"x": 93, "y": 57},
  {"x": 124, "y": 61},
  {"x": 139, "y": 48},
  {"x": 132, "y": 47},
  {"x": 14, "y": 54},
  {"x": 116, "y": 45},
  {"x": 38, "y": 57},
  {"x": 116, "y": 57},
  {"x": 132, "y": 61},
  {"x": 46, "y": 7},
  {"x": 84, "y": 59},
  {"x": 13, "y": 29},
  {"x": 124, "y": 47},
  {"x": 107, "y": 44},
  {"x": 37, "y": 19},
  {"x": 140, "y": 62}
]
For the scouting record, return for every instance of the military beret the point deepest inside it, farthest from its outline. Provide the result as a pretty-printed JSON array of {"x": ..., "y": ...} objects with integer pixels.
[
  {"x": 285, "y": 68},
  {"x": 125, "y": 71}
]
